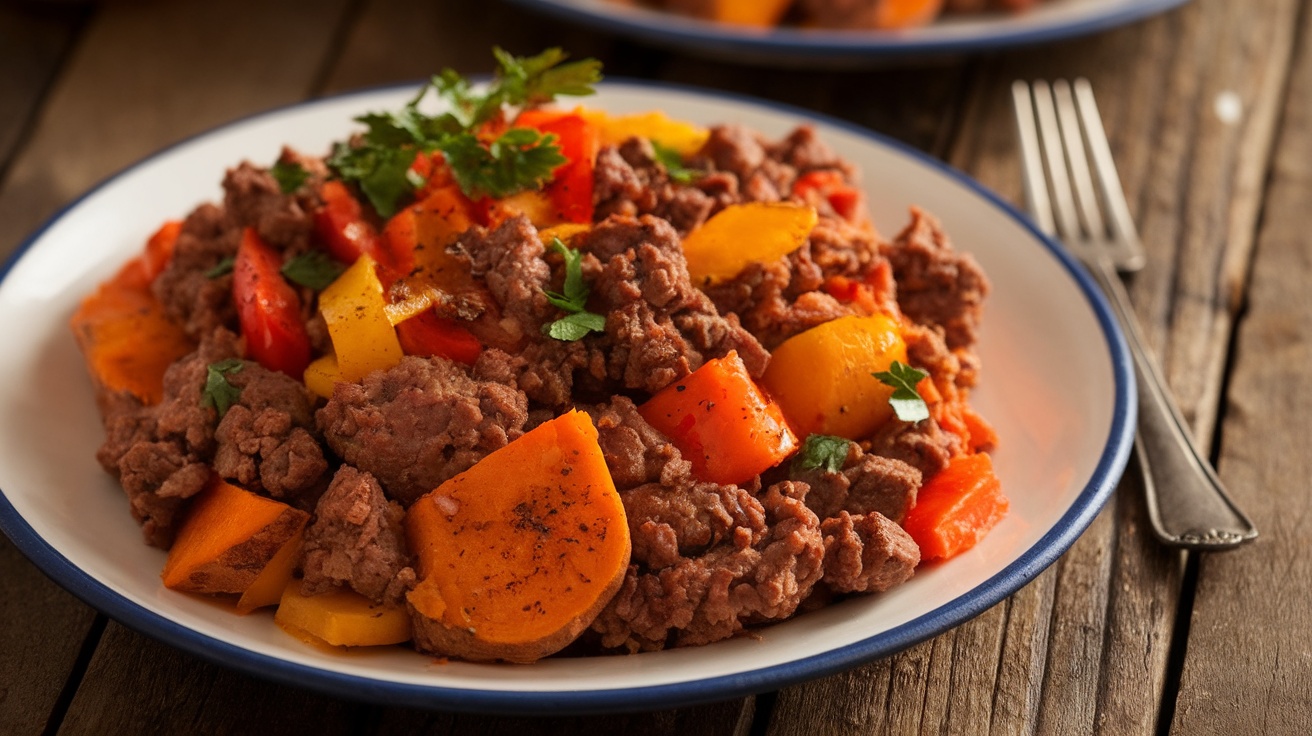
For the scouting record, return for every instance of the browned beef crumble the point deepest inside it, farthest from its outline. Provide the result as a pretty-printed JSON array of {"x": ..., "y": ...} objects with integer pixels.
[
  {"x": 867, "y": 483},
  {"x": 419, "y": 423},
  {"x": 356, "y": 540},
  {"x": 760, "y": 572},
  {"x": 866, "y": 553},
  {"x": 936, "y": 284},
  {"x": 161, "y": 454}
]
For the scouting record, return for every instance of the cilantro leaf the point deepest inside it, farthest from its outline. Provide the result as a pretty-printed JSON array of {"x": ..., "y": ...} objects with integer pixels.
[
  {"x": 222, "y": 268},
  {"x": 518, "y": 159},
  {"x": 822, "y": 451},
  {"x": 673, "y": 163},
  {"x": 575, "y": 326},
  {"x": 218, "y": 393},
  {"x": 289, "y": 175},
  {"x": 313, "y": 269},
  {"x": 574, "y": 299},
  {"x": 906, "y": 401}
]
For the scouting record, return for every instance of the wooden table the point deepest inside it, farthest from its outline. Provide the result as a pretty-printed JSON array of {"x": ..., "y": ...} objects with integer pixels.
[{"x": 1120, "y": 636}]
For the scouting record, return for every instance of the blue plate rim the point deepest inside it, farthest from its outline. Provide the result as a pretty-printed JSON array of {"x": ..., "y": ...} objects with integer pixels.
[
  {"x": 1087, "y": 504},
  {"x": 794, "y": 44}
]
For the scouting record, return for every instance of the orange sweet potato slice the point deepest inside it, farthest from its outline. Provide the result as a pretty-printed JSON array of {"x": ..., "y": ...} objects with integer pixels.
[
  {"x": 229, "y": 537},
  {"x": 518, "y": 554}
]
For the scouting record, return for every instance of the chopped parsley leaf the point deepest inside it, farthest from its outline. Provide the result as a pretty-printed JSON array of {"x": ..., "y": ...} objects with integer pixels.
[
  {"x": 573, "y": 298},
  {"x": 313, "y": 269},
  {"x": 222, "y": 268},
  {"x": 673, "y": 163},
  {"x": 822, "y": 451},
  {"x": 289, "y": 175},
  {"x": 218, "y": 393},
  {"x": 516, "y": 160},
  {"x": 906, "y": 400}
]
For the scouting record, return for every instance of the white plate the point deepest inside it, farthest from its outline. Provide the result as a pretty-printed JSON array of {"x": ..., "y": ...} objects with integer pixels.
[
  {"x": 1049, "y": 21},
  {"x": 1057, "y": 385}
]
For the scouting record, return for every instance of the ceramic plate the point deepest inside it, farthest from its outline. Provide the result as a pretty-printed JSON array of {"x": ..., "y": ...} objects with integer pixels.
[
  {"x": 1050, "y": 21},
  {"x": 1056, "y": 383}
]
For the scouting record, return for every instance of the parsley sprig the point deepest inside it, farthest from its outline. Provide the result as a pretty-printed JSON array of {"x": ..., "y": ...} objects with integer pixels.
[
  {"x": 511, "y": 161},
  {"x": 218, "y": 392},
  {"x": 289, "y": 175},
  {"x": 573, "y": 299},
  {"x": 313, "y": 269},
  {"x": 906, "y": 400},
  {"x": 822, "y": 451},
  {"x": 673, "y": 163}
]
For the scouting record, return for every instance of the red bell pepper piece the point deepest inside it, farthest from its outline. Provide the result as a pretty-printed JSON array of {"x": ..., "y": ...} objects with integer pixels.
[
  {"x": 722, "y": 423},
  {"x": 268, "y": 308},
  {"x": 956, "y": 508},
  {"x": 342, "y": 226},
  {"x": 428, "y": 334},
  {"x": 571, "y": 187},
  {"x": 830, "y": 185}
]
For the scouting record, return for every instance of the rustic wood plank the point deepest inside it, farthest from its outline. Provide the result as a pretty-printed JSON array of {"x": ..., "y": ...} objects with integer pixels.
[
  {"x": 1248, "y": 663},
  {"x": 719, "y": 719},
  {"x": 41, "y": 626},
  {"x": 33, "y": 42},
  {"x": 137, "y": 685},
  {"x": 194, "y": 65},
  {"x": 191, "y": 64}
]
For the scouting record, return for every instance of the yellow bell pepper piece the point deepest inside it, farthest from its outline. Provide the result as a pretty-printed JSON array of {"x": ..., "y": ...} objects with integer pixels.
[
  {"x": 823, "y": 378},
  {"x": 342, "y": 618},
  {"x": 355, "y": 308},
  {"x": 274, "y": 578},
  {"x": 756, "y": 232},
  {"x": 322, "y": 374},
  {"x": 677, "y": 135}
]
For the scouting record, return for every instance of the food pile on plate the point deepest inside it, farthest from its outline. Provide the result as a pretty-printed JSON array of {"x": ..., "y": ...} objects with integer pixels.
[
  {"x": 505, "y": 379},
  {"x": 852, "y": 14}
]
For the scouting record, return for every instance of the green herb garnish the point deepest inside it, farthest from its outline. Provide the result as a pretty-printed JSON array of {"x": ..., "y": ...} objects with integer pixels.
[
  {"x": 222, "y": 268},
  {"x": 822, "y": 451},
  {"x": 906, "y": 401},
  {"x": 572, "y": 299},
  {"x": 313, "y": 269},
  {"x": 515, "y": 160},
  {"x": 289, "y": 175},
  {"x": 673, "y": 163},
  {"x": 218, "y": 393}
]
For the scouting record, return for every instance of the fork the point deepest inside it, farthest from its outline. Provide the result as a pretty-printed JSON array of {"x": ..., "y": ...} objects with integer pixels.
[{"x": 1187, "y": 505}]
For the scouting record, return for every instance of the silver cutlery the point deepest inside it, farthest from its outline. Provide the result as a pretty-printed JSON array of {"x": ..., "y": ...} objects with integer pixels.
[{"x": 1060, "y": 132}]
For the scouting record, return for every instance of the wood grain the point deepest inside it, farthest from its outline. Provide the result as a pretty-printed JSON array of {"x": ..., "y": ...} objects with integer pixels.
[{"x": 1249, "y": 662}]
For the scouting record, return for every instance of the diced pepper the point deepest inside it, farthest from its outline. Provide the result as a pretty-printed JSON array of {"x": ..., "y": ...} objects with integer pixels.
[
  {"x": 429, "y": 334},
  {"x": 355, "y": 308},
  {"x": 268, "y": 308},
  {"x": 721, "y": 422},
  {"x": 571, "y": 188},
  {"x": 956, "y": 508},
  {"x": 822, "y": 378},
  {"x": 342, "y": 226},
  {"x": 677, "y": 135},
  {"x": 740, "y": 234},
  {"x": 830, "y": 185},
  {"x": 341, "y": 618},
  {"x": 322, "y": 375}
]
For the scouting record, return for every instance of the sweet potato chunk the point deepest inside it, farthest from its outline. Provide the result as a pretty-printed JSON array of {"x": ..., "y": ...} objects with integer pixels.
[
  {"x": 342, "y": 618},
  {"x": 228, "y": 539},
  {"x": 518, "y": 554}
]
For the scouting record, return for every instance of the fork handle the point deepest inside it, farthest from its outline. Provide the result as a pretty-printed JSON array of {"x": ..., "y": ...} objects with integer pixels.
[{"x": 1187, "y": 505}]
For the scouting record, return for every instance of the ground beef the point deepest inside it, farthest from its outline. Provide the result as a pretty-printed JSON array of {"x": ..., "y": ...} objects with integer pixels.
[
  {"x": 356, "y": 540},
  {"x": 936, "y": 285},
  {"x": 736, "y": 583},
  {"x": 668, "y": 523},
  {"x": 191, "y": 294},
  {"x": 866, "y": 553},
  {"x": 635, "y": 453},
  {"x": 867, "y": 483},
  {"x": 419, "y": 423},
  {"x": 628, "y": 180},
  {"x": 510, "y": 259},
  {"x": 923, "y": 445},
  {"x": 161, "y": 454},
  {"x": 268, "y": 441}
]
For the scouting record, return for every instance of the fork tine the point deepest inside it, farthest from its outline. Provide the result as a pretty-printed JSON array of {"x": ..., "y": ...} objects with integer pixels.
[
  {"x": 1063, "y": 199},
  {"x": 1073, "y": 137},
  {"x": 1036, "y": 186},
  {"x": 1128, "y": 251}
]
